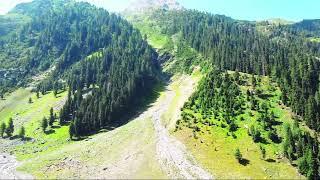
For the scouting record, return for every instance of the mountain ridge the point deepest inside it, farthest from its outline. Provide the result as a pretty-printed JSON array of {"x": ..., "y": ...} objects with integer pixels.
[{"x": 143, "y": 5}]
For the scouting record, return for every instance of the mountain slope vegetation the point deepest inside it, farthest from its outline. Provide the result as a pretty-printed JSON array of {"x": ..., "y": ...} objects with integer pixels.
[
  {"x": 241, "y": 112},
  {"x": 227, "y": 44},
  {"x": 84, "y": 72},
  {"x": 120, "y": 69}
]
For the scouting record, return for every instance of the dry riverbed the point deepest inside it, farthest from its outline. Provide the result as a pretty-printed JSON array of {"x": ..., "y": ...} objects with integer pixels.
[
  {"x": 143, "y": 148},
  {"x": 8, "y": 165}
]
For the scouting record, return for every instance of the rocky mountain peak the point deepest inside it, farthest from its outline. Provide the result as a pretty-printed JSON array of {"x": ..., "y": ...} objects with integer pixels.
[{"x": 142, "y": 5}]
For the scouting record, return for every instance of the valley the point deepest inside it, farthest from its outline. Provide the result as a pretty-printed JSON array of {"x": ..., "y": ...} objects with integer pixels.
[
  {"x": 157, "y": 91},
  {"x": 144, "y": 143}
]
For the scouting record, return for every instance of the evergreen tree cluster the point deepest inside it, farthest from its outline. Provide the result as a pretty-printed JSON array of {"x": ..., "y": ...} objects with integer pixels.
[
  {"x": 107, "y": 85},
  {"x": 106, "y": 63},
  {"x": 304, "y": 148},
  {"x": 57, "y": 35},
  {"x": 219, "y": 97},
  {"x": 8, "y": 129},
  {"x": 239, "y": 46}
]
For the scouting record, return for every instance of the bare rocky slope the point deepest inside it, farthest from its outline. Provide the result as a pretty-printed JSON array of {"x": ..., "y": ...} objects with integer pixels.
[{"x": 143, "y": 5}]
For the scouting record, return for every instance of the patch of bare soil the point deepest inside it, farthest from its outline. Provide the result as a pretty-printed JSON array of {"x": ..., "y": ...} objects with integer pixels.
[{"x": 8, "y": 165}]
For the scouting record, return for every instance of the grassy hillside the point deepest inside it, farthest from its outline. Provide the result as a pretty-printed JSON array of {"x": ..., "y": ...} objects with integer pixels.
[
  {"x": 29, "y": 115},
  {"x": 127, "y": 152},
  {"x": 53, "y": 155},
  {"x": 178, "y": 56},
  {"x": 83, "y": 159},
  {"x": 149, "y": 27},
  {"x": 214, "y": 145}
]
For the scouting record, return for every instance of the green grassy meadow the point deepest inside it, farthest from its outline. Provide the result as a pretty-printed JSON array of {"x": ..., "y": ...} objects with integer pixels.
[
  {"x": 29, "y": 115},
  {"x": 214, "y": 146},
  {"x": 54, "y": 155}
]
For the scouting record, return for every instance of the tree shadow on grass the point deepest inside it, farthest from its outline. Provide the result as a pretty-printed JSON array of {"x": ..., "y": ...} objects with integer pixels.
[
  {"x": 271, "y": 160},
  {"x": 14, "y": 137},
  {"x": 22, "y": 138},
  {"x": 27, "y": 139},
  {"x": 55, "y": 126},
  {"x": 277, "y": 140},
  {"x": 244, "y": 161}
]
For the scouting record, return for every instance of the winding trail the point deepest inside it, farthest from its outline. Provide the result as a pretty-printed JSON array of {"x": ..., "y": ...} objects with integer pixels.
[{"x": 8, "y": 165}]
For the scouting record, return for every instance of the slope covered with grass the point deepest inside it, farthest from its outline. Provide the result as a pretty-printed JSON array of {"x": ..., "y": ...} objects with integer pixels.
[
  {"x": 252, "y": 119},
  {"x": 29, "y": 115}
]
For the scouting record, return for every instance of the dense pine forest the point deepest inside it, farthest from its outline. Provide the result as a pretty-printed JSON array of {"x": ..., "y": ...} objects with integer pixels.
[
  {"x": 115, "y": 82},
  {"x": 59, "y": 34},
  {"x": 106, "y": 64}
]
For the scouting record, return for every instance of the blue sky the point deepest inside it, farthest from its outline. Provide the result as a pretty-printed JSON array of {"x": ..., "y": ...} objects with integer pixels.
[{"x": 293, "y": 10}]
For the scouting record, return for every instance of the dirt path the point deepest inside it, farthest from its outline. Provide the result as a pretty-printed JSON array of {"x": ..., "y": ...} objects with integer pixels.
[
  {"x": 8, "y": 165},
  {"x": 172, "y": 154}
]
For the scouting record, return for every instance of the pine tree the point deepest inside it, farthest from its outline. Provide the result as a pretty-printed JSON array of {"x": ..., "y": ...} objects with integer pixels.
[
  {"x": 10, "y": 128},
  {"x": 22, "y": 132},
  {"x": 62, "y": 116},
  {"x": 310, "y": 112},
  {"x": 44, "y": 124},
  {"x": 306, "y": 164},
  {"x": 253, "y": 81},
  {"x": 238, "y": 155},
  {"x": 255, "y": 133},
  {"x": 233, "y": 126},
  {"x": 263, "y": 152},
  {"x": 71, "y": 130},
  {"x": 55, "y": 92},
  {"x": 51, "y": 117},
  {"x": 2, "y": 129}
]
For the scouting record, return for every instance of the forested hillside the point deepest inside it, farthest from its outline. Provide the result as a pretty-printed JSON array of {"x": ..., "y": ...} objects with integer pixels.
[
  {"x": 104, "y": 61},
  {"x": 242, "y": 95},
  {"x": 60, "y": 33},
  {"x": 285, "y": 54},
  {"x": 236, "y": 45},
  {"x": 308, "y": 27}
]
